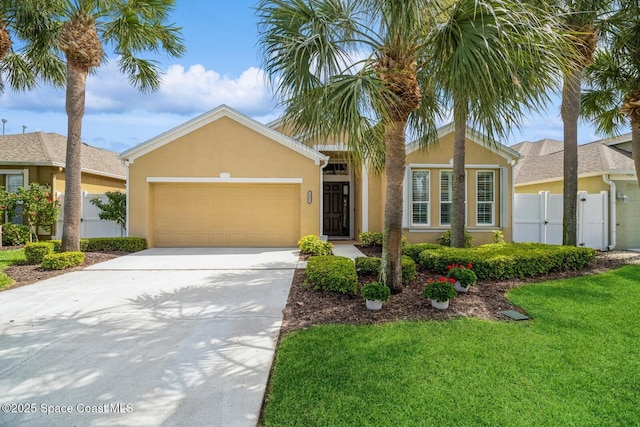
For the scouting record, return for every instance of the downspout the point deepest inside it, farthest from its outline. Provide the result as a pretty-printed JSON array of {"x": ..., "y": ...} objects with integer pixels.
[{"x": 612, "y": 210}]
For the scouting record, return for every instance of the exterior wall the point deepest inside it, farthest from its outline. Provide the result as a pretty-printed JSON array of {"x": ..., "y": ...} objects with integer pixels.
[
  {"x": 223, "y": 146},
  {"x": 592, "y": 184},
  {"x": 435, "y": 159}
]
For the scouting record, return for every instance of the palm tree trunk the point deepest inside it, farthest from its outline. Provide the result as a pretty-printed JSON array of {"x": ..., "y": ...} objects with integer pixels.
[
  {"x": 75, "y": 101},
  {"x": 391, "y": 273},
  {"x": 458, "y": 207},
  {"x": 570, "y": 113}
]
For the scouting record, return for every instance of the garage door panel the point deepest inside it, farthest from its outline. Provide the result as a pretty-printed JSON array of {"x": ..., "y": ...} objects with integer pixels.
[{"x": 226, "y": 214}]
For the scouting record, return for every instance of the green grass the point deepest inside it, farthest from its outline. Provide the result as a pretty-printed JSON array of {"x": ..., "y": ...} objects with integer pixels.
[
  {"x": 576, "y": 364},
  {"x": 8, "y": 258}
]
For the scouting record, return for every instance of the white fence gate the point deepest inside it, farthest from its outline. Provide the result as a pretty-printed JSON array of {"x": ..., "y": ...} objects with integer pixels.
[
  {"x": 538, "y": 218},
  {"x": 90, "y": 223}
]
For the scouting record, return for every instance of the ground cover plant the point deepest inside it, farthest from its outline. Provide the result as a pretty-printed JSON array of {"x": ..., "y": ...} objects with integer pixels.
[
  {"x": 8, "y": 258},
  {"x": 575, "y": 363}
]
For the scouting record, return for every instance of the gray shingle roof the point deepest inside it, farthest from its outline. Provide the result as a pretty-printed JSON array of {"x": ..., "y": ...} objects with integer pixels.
[
  {"x": 544, "y": 160},
  {"x": 44, "y": 149}
]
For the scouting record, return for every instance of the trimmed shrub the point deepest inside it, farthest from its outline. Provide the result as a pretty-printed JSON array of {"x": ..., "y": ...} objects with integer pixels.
[
  {"x": 124, "y": 244},
  {"x": 369, "y": 239},
  {"x": 332, "y": 273},
  {"x": 408, "y": 270},
  {"x": 35, "y": 252},
  {"x": 62, "y": 260},
  {"x": 57, "y": 245},
  {"x": 14, "y": 234},
  {"x": 509, "y": 260},
  {"x": 445, "y": 239},
  {"x": 497, "y": 236},
  {"x": 413, "y": 250},
  {"x": 107, "y": 244},
  {"x": 371, "y": 265},
  {"x": 367, "y": 265},
  {"x": 313, "y": 245}
]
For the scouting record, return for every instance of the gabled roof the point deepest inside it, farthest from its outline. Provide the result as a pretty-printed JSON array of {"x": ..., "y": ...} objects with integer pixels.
[
  {"x": 210, "y": 117},
  {"x": 49, "y": 149},
  {"x": 544, "y": 160},
  {"x": 475, "y": 136}
]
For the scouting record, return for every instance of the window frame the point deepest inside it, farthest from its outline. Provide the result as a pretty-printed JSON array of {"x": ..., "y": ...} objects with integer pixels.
[
  {"x": 491, "y": 203},
  {"x": 413, "y": 203}
]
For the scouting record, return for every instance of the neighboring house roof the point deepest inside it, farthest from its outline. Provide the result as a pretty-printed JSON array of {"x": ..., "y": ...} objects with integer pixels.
[
  {"x": 211, "y": 116},
  {"x": 50, "y": 149},
  {"x": 475, "y": 136},
  {"x": 544, "y": 160}
]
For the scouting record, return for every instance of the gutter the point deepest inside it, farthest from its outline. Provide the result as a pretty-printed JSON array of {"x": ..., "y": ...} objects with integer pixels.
[{"x": 612, "y": 210}]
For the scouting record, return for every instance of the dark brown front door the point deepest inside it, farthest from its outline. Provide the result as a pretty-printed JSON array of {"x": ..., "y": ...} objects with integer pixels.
[{"x": 336, "y": 209}]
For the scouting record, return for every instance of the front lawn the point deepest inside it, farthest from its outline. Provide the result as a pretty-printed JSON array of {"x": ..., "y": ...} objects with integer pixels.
[
  {"x": 577, "y": 363},
  {"x": 8, "y": 258}
]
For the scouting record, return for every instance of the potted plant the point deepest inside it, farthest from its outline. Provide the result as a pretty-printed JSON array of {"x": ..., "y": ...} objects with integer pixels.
[
  {"x": 439, "y": 292},
  {"x": 463, "y": 276},
  {"x": 375, "y": 293}
]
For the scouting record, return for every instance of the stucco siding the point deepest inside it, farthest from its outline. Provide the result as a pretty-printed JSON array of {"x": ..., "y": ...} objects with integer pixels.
[{"x": 223, "y": 148}]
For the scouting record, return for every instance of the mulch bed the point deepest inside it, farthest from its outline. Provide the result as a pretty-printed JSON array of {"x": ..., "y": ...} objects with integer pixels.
[
  {"x": 306, "y": 307},
  {"x": 26, "y": 274}
]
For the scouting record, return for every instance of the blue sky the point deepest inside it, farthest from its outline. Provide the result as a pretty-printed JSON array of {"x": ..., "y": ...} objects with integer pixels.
[{"x": 222, "y": 65}]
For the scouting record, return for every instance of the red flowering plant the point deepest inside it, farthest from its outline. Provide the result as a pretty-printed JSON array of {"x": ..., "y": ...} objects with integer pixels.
[
  {"x": 463, "y": 274},
  {"x": 440, "y": 290},
  {"x": 39, "y": 208},
  {"x": 8, "y": 202}
]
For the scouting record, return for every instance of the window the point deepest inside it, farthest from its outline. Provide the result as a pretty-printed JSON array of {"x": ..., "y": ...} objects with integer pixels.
[
  {"x": 446, "y": 196},
  {"x": 485, "y": 199},
  {"x": 419, "y": 197},
  {"x": 13, "y": 183}
]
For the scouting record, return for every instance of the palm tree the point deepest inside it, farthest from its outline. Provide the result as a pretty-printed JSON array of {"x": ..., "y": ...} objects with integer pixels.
[
  {"x": 494, "y": 62},
  {"x": 309, "y": 49},
  {"x": 21, "y": 69},
  {"x": 83, "y": 28},
  {"x": 580, "y": 17},
  {"x": 612, "y": 98}
]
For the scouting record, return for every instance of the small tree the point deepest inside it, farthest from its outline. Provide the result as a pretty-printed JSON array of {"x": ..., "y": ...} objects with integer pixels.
[
  {"x": 39, "y": 208},
  {"x": 8, "y": 202},
  {"x": 114, "y": 209}
]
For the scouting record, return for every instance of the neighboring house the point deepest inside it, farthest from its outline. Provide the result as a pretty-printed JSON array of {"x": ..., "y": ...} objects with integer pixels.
[
  {"x": 223, "y": 179},
  {"x": 604, "y": 167},
  {"x": 40, "y": 157}
]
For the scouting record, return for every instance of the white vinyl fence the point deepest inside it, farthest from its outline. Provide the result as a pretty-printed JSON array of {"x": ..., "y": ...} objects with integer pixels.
[
  {"x": 538, "y": 218},
  {"x": 90, "y": 223}
]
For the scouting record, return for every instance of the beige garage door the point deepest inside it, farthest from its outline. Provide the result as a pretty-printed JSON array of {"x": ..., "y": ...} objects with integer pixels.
[{"x": 226, "y": 214}]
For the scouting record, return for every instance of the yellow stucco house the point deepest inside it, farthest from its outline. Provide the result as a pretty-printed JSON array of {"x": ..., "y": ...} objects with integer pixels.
[
  {"x": 224, "y": 179},
  {"x": 605, "y": 169},
  {"x": 40, "y": 157}
]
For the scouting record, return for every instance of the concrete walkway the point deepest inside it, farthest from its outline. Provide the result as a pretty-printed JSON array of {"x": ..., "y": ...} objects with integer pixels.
[
  {"x": 162, "y": 337},
  {"x": 339, "y": 249}
]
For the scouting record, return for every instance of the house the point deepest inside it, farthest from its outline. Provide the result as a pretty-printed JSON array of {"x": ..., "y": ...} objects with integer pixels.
[
  {"x": 605, "y": 167},
  {"x": 224, "y": 179},
  {"x": 40, "y": 157}
]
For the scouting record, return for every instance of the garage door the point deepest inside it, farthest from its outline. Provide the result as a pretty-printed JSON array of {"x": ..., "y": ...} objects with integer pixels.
[{"x": 226, "y": 214}]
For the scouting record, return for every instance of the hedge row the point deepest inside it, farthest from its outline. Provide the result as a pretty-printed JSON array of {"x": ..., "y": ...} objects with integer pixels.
[
  {"x": 332, "y": 273},
  {"x": 509, "y": 260},
  {"x": 371, "y": 265},
  {"x": 36, "y": 252},
  {"x": 104, "y": 244}
]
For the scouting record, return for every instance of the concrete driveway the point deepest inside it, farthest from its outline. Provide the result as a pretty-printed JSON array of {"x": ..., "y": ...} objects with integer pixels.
[{"x": 171, "y": 337}]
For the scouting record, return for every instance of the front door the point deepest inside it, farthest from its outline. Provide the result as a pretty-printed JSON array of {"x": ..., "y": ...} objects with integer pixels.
[{"x": 336, "y": 209}]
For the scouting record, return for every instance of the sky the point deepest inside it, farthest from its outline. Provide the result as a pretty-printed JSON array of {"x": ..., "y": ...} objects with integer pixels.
[{"x": 221, "y": 66}]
